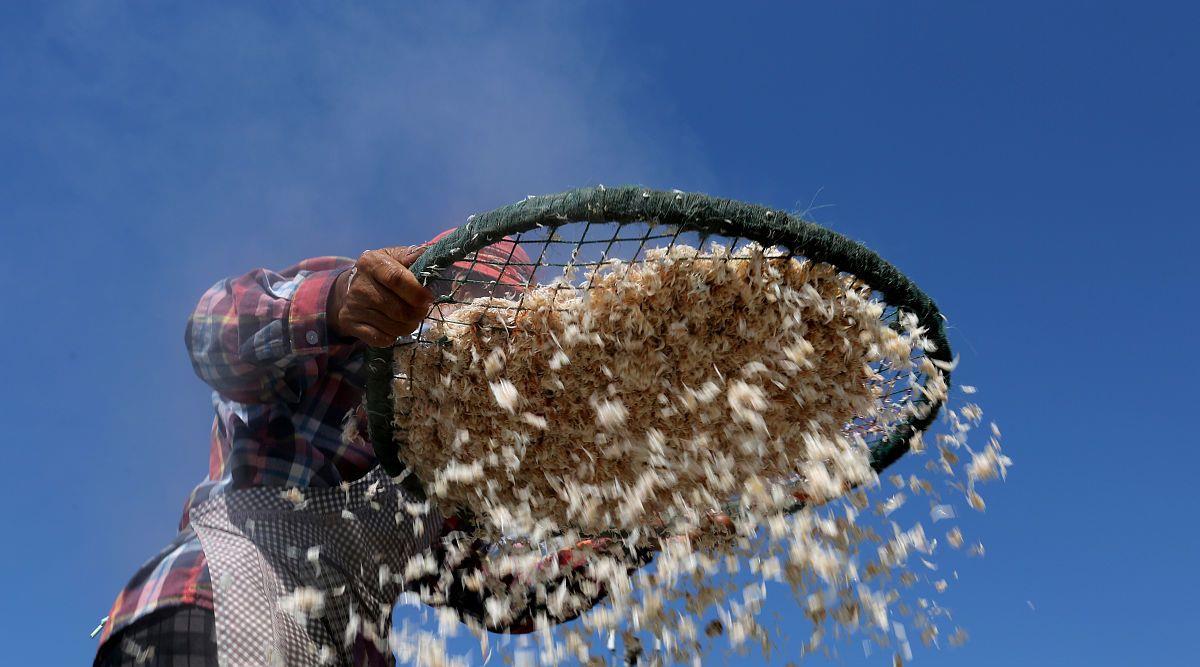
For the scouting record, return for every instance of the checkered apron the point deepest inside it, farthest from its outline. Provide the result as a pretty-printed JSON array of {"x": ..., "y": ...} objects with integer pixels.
[{"x": 346, "y": 545}]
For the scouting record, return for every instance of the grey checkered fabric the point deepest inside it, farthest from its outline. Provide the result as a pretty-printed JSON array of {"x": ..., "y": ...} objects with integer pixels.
[{"x": 310, "y": 578}]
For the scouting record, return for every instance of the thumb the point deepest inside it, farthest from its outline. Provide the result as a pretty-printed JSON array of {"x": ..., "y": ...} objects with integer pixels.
[{"x": 407, "y": 255}]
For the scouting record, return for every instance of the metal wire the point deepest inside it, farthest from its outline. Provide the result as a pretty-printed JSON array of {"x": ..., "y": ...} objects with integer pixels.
[{"x": 558, "y": 252}]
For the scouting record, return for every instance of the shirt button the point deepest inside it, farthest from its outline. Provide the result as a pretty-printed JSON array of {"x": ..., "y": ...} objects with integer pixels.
[{"x": 311, "y": 337}]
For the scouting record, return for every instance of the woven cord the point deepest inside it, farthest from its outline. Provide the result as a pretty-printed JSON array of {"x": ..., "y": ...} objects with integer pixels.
[{"x": 687, "y": 211}]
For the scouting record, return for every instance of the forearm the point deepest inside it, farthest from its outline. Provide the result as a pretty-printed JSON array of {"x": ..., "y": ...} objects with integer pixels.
[
  {"x": 253, "y": 337},
  {"x": 337, "y": 298}
]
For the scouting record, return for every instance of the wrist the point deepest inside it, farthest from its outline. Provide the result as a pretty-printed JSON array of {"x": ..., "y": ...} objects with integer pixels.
[{"x": 337, "y": 299}]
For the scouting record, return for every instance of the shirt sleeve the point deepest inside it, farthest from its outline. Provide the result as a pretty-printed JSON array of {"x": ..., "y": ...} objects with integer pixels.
[{"x": 260, "y": 337}]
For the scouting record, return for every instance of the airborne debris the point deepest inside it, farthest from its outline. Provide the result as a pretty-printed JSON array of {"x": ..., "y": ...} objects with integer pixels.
[
  {"x": 794, "y": 347},
  {"x": 687, "y": 402}
]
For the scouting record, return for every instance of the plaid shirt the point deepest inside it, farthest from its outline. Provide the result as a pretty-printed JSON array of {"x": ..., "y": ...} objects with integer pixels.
[{"x": 283, "y": 386}]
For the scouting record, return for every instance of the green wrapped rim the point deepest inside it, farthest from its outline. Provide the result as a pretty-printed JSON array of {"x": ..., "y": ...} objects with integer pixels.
[{"x": 690, "y": 212}]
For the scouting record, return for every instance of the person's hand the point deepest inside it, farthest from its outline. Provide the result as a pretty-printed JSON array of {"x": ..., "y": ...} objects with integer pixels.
[
  {"x": 576, "y": 557},
  {"x": 379, "y": 300}
]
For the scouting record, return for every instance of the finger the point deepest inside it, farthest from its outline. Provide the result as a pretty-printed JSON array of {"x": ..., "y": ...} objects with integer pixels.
[
  {"x": 569, "y": 558},
  {"x": 406, "y": 255},
  {"x": 367, "y": 293},
  {"x": 577, "y": 555},
  {"x": 385, "y": 323},
  {"x": 370, "y": 335},
  {"x": 392, "y": 274},
  {"x": 722, "y": 520},
  {"x": 719, "y": 521}
]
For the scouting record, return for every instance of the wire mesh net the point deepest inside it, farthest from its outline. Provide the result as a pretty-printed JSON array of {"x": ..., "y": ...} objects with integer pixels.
[
  {"x": 844, "y": 556},
  {"x": 571, "y": 256}
]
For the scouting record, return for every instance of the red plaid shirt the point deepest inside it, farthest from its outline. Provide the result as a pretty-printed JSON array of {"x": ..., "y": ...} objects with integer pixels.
[{"x": 283, "y": 385}]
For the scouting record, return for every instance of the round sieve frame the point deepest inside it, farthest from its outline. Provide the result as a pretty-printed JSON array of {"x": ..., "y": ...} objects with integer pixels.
[{"x": 691, "y": 212}]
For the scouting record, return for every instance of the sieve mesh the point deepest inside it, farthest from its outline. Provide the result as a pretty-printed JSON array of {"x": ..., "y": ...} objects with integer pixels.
[{"x": 562, "y": 240}]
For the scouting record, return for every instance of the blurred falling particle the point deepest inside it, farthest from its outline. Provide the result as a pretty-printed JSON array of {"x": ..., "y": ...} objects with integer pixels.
[
  {"x": 941, "y": 512},
  {"x": 816, "y": 543}
]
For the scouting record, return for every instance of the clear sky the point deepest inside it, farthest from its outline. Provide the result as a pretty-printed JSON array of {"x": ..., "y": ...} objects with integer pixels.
[{"x": 1033, "y": 165}]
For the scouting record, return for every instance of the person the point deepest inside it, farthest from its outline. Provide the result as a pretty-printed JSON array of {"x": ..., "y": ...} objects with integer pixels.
[{"x": 294, "y": 549}]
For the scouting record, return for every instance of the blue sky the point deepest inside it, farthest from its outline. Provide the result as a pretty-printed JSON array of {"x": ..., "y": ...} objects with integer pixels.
[{"x": 1033, "y": 166}]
